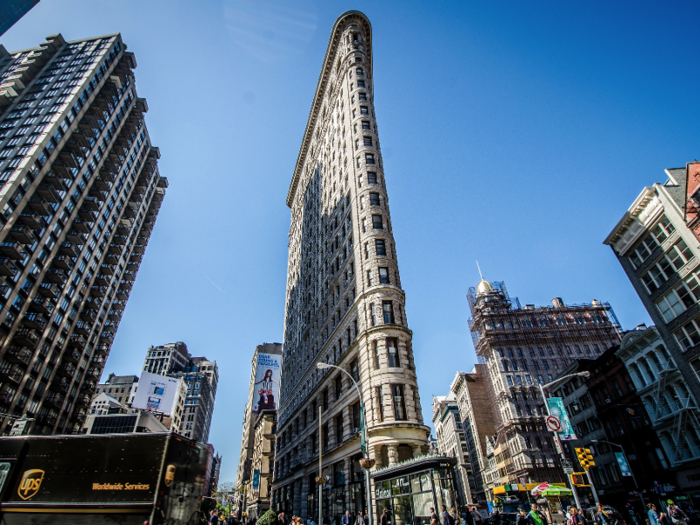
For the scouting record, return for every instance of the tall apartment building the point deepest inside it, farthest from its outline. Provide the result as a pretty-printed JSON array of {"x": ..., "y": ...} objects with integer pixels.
[
  {"x": 252, "y": 409},
  {"x": 122, "y": 388},
  {"x": 523, "y": 347},
  {"x": 80, "y": 192},
  {"x": 344, "y": 303},
  {"x": 12, "y": 10},
  {"x": 452, "y": 442},
  {"x": 656, "y": 242},
  {"x": 478, "y": 426},
  {"x": 201, "y": 377}
]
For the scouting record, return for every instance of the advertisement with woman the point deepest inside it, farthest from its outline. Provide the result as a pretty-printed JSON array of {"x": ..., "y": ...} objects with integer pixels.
[{"x": 267, "y": 382}]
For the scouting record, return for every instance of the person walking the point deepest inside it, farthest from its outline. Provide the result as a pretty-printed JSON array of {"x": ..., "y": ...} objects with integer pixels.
[
  {"x": 536, "y": 517},
  {"x": 434, "y": 520},
  {"x": 446, "y": 518},
  {"x": 384, "y": 519},
  {"x": 676, "y": 514},
  {"x": 655, "y": 518},
  {"x": 601, "y": 517},
  {"x": 359, "y": 520},
  {"x": 455, "y": 517},
  {"x": 366, "y": 517},
  {"x": 521, "y": 519},
  {"x": 346, "y": 520},
  {"x": 476, "y": 517}
]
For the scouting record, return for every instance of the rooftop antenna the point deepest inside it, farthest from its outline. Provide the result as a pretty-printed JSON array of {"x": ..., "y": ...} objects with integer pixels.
[{"x": 479, "y": 268}]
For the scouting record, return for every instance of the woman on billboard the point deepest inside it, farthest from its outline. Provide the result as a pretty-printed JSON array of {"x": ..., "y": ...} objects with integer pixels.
[{"x": 267, "y": 399}]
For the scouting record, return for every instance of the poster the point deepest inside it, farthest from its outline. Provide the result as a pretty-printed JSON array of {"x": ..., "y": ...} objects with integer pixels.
[
  {"x": 556, "y": 408},
  {"x": 156, "y": 393},
  {"x": 625, "y": 469},
  {"x": 267, "y": 382}
]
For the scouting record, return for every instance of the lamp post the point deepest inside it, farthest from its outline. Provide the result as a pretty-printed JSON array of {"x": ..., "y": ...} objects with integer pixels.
[
  {"x": 556, "y": 434},
  {"x": 366, "y": 463},
  {"x": 634, "y": 478}
]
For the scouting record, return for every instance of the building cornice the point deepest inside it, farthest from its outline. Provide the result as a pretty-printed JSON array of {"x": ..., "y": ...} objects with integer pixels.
[{"x": 340, "y": 25}]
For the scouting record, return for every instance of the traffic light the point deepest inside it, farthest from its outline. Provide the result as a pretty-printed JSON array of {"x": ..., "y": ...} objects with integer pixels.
[
  {"x": 585, "y": 458},
  {"x": 580, "y": 479}
]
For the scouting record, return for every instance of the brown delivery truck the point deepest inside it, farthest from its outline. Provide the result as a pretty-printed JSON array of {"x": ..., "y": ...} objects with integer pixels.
[{"x": 116, "y": 478}]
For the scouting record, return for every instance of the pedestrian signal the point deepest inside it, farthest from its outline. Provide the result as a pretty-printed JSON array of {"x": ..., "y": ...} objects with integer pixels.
[
  {"x": 580, "y": 479},
  {"x": 585, "y": 458}
]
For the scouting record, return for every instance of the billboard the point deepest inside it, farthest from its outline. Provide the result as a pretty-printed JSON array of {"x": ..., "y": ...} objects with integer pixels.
[
  {"x": 156, "y": 393},
  {"x": 267, "y": 382},
  {"x": 556, "y": 408}
]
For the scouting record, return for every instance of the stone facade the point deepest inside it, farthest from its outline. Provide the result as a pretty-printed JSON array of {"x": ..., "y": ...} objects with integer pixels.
[
  {"x": 262, "y": 462},
  {"x": 344, "y": 303},
  {"x": 523, "y": 347},
  {"x": 478, "y": 425},
  {"x": 452, "y": 442}
]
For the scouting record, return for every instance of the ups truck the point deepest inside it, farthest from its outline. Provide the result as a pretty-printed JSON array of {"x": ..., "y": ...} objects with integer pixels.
[{"x": 122, "y": 479}]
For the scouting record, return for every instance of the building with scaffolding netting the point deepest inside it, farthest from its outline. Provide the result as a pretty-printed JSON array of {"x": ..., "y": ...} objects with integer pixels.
[{"x": 521, "y": 348}]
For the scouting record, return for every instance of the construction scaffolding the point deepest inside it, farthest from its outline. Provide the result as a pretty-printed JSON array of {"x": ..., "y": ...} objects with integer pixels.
[{"x": 523, "y": 347}]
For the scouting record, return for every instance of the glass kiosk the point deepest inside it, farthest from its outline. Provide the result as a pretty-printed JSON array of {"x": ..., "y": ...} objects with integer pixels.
[{"x": 408, "y": 491}]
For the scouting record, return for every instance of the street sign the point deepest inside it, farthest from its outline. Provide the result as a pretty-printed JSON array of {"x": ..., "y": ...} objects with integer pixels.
[
  {"x": 568, "y": 470},
  {"x": 567, "y": 463},
  {"x": 553, "y": 424},
  {"x": 18, "y": 427}
]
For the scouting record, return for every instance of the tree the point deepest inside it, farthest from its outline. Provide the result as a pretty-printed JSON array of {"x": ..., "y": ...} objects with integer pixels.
[{"x": 269, "y": 518}]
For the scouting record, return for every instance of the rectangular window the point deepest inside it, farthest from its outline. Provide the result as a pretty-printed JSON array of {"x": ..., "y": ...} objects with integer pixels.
[
  {"x": 363, "y": 96},
  {"x": 374, "y": 199},
  {"x": 393, "y": 352},
  {"x": 373, "y": 319},
  {"x": 369, "y": 277},
  {"x": 369, "y": 158},
  {"x": 365, "y": 124},
  {"x": 380, "y": 403},
  {"x": 367, "y": 141},
  {"x": 364, "y": 110},
  {"x": 366, "y": 250},
  {"x": 338, "y": 387},
  {"x": 380, "y": 246},
  {"x": 377, "y": 222},
  {"x": 399, "y": 402},
  {"x": 360, "y": 83},
  {"x": 388, "y": 310},
  {"x": 687, "y": 335},
  {"x": 384, "y": 275},
  {"x": 371, "y": 177}
]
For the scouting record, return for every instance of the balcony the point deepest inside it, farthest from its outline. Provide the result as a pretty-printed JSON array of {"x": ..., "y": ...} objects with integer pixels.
[
  {"x": 55, "y": 400},
  {"x": 27, "y": 337},
  {"x": 101, "y": 184},
  {"x": 107, "y": 174},
  {"x": 12, "y": 250},
  {"x": 98, "y": 291},
  {"x": 60, "y": 385},
  {"x": 98, "y": 194},
  {"x": 122, "y": 295},
  {"x": 78, "y": 415},
  {"x": 93, "y": 373},
  {"x": 42, "y": 305},
  {"x": 92, "y": 304},
  {"x": 72, "y": 356},
  {"x": 106, "y": 337},
  {"x": 66, "y": 370},
  {"x": 77, "y": 341},
  {"x": 56, "y": 182},
  {"x": 88, "y": 386},
  {"x": 69, "y": 249},
  {"x": 88, "y": 316},
  {"x": 76, "y": 237},
  {"x": 83, "y": 328},
  {"x": 107, "y": 269},
  {"x": 68, "y": 159},
  {"x": 115, "y": 249},
  {"x": 19, "y": 354},
  {"x": 14, "y": 374},
  {"x": 129, "y": 276},
  {"x": 7, "y": 267},
  {"x": 49, "y": 290},
  {"x": 126, "y": 285},
  {"x": 40, "y": 206},
  {"x": 23, "y": 234},
  {"x": 64, "y": 262},
  {"x": 83, "y": 401},
  {"x": 102, "y": 349},
  {"x": 119, "y": 240},
  {"x": 111, "y": 259},
  {"x": 101, "y": 280},
  {"x": 48, "y": 193},
  {"x": 129, "y": 213},
  {"x": 56, "y": 275},
  {"x": 35, "y": 320},
  {"x": 138, "y": 248},
  {"x": 80, "y": 139},
  {"x": 114, "y": 316},
  {"x": 90, "y": 204},
  {"x": 135, "y": 258},
  {"x": 99, "y": 362},
  {"x": 80, "y": 225},
  {"x": 32, "y": 220}
]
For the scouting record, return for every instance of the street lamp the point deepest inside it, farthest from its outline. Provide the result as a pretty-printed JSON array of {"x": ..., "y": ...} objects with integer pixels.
[
  {"x": 634, "y": 478},
  {"x": 585, "y": 373},
  {"x": 366, "y": 463}
]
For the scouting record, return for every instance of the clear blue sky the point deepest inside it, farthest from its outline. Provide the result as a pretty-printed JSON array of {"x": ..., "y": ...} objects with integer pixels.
[{"x": 515, "y": 133}]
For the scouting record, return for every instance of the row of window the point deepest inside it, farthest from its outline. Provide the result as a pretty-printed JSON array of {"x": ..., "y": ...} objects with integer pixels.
[
  {"x": 658, "y": 234},
  {"x": 672, "y": 261}
]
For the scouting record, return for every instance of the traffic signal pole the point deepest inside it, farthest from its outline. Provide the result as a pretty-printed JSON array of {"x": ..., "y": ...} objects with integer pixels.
[{"x": 560, "y": 448}]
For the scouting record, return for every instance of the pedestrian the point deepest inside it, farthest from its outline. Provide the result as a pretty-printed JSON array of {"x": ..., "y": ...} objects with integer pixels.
[
  {"x": 455, "y": 517},
  {"x": 346, "y": 520},
  {"x": 384, "y": 520},
  {"x": 366, "y": 517},
  {"x": 601, "y": 517},
  {"x": 654, "y": 517},
  {"x": 521, "y": 519},
  {"x": 434, "y": 520},
  {"x": 446, "y": 518},
  {"x": 281, "y": 518},
  {"x": 536, "y": 517},
  {"x": 476, "y": 517},
  {"x": 676, "y": 514},
  {"x": 214, "y": 520}
]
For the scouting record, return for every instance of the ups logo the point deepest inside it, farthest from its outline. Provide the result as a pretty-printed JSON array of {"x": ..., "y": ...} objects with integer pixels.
[
  {"x": 30, "y": 483},
  {"x": 169, "y": 475}
]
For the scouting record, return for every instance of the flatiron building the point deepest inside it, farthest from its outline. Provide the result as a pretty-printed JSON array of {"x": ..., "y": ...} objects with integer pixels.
[
  {"x": 344, "y": 301},
  {"x": 79, "y": 195}
]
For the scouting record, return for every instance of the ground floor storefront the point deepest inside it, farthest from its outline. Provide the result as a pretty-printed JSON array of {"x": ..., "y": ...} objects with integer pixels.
[{"x": 407, "y": 492}]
